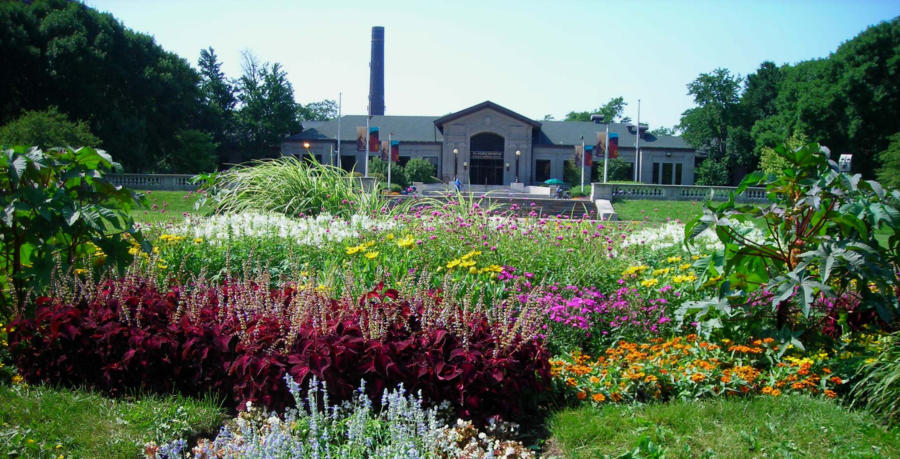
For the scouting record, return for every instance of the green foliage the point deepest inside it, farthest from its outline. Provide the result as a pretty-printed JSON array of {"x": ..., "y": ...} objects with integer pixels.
[
  {"x": 218, "y": 99},
  {"x": 134, "y": 95},
  {"x": 785, "y": 426},
  {"x": 57, "y": 207},
  {"x": 612, "y": 112},
  {"x": 771, "y": 162},
  {"x": 291, "y": 186},
  {"x": 268, "y": 112},
  {"x": 319, "y": 111},
  {"x": 878, "y": 385},
  {"x": 46, "y": 129},
  {"x": 47, "y": 422},
  {"x": 819, "y": 241},
  {"x": 662, "y": 130},
  {"x": 711, "y": 172},
  {"x": 579, "y": 191},
  {"x": 617, "y": 170},
  {"x": 706, "y": 127},
  {"x": 572, "y": 174},
  {"x": 378, "y": 168},
  {"x": 195, "y": 152},
  {"x": 421, "y": 170},
  {"x": 889, "y": 172}
]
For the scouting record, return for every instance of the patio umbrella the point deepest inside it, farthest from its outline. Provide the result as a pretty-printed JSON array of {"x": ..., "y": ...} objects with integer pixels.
[{"x": 554, "y": 181}]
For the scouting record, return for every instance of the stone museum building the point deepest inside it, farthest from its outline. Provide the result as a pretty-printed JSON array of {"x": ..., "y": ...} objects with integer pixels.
[{"x": 487, "y": 144}]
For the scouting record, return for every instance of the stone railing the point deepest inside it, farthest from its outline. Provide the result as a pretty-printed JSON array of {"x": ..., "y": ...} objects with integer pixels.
[
  {"x": 674, "y": 192},
  {"x": 156, "y": 182}
]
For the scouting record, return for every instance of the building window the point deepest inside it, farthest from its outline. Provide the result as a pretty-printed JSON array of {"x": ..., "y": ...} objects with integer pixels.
[
  {"x": 403, "y": 160},
  {"x": 667, "y": 173},
  {"x": 541, "y": 170},
  {"x": 348, "y": 162}
]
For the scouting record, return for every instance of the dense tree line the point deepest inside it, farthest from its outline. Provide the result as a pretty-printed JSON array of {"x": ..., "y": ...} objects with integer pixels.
[
  {"x": 849, "y": 101},
  {"x": 147, "y": 107}
]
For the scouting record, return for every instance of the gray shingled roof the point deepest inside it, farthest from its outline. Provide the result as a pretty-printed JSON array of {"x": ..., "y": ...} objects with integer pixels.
[
  {"x": 405, "y": 128},
  {"x": 422, "y": 129},
  {"x": 570, "y": 132}
]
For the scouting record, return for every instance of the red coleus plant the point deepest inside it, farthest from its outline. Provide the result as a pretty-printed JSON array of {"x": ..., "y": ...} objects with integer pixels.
[{"x": 239, "y": 340}]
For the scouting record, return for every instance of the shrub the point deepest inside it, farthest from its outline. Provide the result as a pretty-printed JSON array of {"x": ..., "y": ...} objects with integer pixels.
[
  {"x": 711, "y": 172},
  {"x": 57, "y": 206},
  {"x": 580, "y": 191},
  {"x": 379, "y": 168},
  {"x": 617, "y": 170},
  {"x": 421, "y": 170},
  {"x": 820, "y": 243},
  {"x": 240, "y": 339},
  {"x": 47, "y": 129}
]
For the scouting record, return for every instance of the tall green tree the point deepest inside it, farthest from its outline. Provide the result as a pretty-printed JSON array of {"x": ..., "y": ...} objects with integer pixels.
[
  {"x": 268, "y": 111},
  {"x": 709, "y": 126},
  {"x": 612, "y": 112},
  {"x": 134, "y": 95},
  {"x": 323, "y": 110},
  {"x": 218, "y": 102}
]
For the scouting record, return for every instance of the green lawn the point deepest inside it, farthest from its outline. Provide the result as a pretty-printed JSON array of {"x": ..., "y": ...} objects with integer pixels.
[
  {"x": 166, "y": 206},
  {"x": 657, "y": 211},
  {"x": 46, "y": 422},
  {"x": 734, "y": 428}
]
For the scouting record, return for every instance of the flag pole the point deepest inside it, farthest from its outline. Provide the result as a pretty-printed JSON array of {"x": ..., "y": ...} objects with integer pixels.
[
  {"x": 390, "y": 158},
  {"x": 606, "y": 154},
  {"x": 637, "y": 143},
  {"x": 331, "y": 158},
  {"x": 583, "y": 155},
  {"x": 368, "y": 136}
]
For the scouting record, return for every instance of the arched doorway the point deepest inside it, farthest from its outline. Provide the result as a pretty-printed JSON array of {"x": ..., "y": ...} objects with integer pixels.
[{"x": 486, "y": 159}]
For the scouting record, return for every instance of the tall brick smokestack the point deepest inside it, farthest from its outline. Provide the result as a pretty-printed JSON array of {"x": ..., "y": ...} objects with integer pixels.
[{"x": 376, "y": 73}]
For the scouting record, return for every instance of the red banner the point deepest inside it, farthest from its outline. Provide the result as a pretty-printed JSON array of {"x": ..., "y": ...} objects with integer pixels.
[{"x": 373, "y": 140}]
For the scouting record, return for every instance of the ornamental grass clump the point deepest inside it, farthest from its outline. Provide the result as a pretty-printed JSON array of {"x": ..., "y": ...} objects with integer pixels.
[{"x": 293, "y": 187}]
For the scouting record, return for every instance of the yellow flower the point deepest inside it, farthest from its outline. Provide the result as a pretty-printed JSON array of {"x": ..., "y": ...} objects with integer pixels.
[
  {"x": 675, "y": 259},
  {"x": 390, "y": 236},
  {"x": 198, "y": 240},
  {"x": 471, "y": 254},
  {"x": 406, "y": 242},
  {"x": 17, "y": 379},
  {"x": 133, "y": 251},
  {"x": 80, "y": 271},
  {"x": 453, "y": 263},
  {"x": 161, "y": 266},
  {"x": 473, "y": 270},
  {"x": 649, "y": 282},
  {"x": 684, "y": 267},
  {"x": 371, "y": 255}
]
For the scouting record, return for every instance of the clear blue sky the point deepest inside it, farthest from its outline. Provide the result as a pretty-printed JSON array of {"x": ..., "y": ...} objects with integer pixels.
[{"x": 534, "y": 57}]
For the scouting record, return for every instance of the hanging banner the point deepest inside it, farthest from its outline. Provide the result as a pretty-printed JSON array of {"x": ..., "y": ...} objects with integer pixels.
[
  {"x": 384, "y": 150},
  {"x": 373, "y": 140},
  {"x": 600, "y": 147},
  {"x": 578, "y": 154},
  {"x": 361, "y": 138},
  {"x": 588, "y": 157},
  {"x": 395, "y": 151},
  {"x": 613, "y": 145}
]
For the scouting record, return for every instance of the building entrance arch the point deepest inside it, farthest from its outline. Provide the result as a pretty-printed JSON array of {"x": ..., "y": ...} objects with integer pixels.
[{"x": 486, "y": 150}]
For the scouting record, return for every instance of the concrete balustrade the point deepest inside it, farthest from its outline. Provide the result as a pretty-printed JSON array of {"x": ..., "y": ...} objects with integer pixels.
[{"x": 611, "y": 192}]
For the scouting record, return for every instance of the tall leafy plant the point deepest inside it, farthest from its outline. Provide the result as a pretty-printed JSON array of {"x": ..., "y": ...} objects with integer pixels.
[
  {"x": 57, "y": 206},
  {"x": 822, "y": 231}
]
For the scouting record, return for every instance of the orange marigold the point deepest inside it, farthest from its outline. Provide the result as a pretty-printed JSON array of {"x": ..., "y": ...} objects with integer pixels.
[
  {"x": 830, "y": 393},
  {"x": 581, "y": 395},
  {"x": 698, "y": 377},
  {"x": 836, "y": 380},
  {"x": 598, "y": 397}
]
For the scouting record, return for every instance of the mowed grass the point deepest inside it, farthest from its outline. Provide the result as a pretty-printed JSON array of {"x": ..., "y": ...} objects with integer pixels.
[
  {"x": 47, "y": 422},
  {"x": 657, "y": 211},
  {"x": 787, "y": 426},
  {"x": 168, "y": 206}
]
